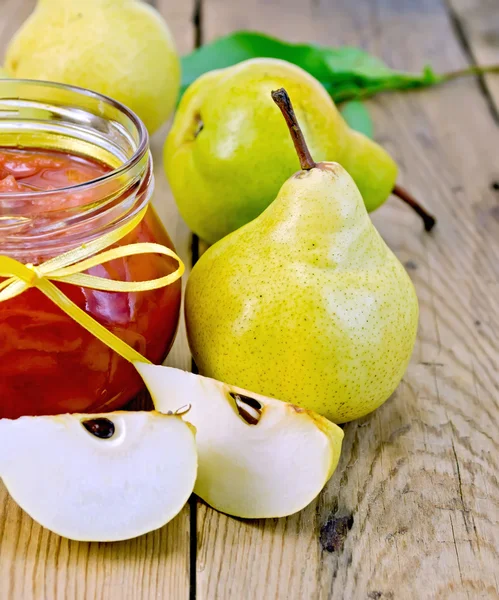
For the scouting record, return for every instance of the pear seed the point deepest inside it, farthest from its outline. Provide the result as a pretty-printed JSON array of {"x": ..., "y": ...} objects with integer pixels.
[
  {"x": 249, "y": 408},
  {"x": 102, "y": 428}
]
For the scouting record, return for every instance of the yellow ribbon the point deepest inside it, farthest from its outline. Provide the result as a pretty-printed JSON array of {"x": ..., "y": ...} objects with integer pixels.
[{"x": 69, "y": 267}]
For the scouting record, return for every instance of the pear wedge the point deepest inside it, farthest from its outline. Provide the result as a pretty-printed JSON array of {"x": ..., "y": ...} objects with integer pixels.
[
  {"x": 103, "y": 477},
  {"x": 258, "y": 457}
]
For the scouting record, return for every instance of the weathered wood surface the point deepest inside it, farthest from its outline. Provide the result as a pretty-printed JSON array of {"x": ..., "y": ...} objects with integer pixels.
[
  {"x": 38, "y": 565},
  {"x": 476, "y": 23},
  {"x": 417, "y": 481},
  {"x": 413, "y": 509}
]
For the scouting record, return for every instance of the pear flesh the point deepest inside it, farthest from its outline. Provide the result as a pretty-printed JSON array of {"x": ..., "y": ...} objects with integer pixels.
[
  {"x": 306, "y": 303},
  {"x": 121, "y": 48},
  {"x": 258, "y": 457},
  {"x": 86, "y": 487}
]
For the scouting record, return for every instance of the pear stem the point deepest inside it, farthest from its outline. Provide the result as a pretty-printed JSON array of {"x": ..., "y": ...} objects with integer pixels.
[
  {"x": 281, "y": 98},
  {"x": 428, "y": 219}
]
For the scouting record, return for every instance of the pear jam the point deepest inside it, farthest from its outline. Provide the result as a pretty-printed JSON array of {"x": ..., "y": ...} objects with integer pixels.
[{"x": 49, "y": 364}]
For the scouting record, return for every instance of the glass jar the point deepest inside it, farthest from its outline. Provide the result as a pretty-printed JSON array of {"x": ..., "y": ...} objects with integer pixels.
[{"x": 49, "y": 364}]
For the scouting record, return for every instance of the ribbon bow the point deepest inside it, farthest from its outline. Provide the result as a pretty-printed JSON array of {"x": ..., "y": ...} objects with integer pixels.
[{"x": 69, "y": 267}]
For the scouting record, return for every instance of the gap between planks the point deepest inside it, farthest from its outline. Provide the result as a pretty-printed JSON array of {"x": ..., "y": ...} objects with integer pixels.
[{"x": 468, "y": 45}]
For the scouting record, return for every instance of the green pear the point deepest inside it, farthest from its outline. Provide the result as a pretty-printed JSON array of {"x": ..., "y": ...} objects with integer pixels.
[
  {"x": 229, "y": 151},
  {"x": 121, "y": 48},
  {"x": 258, "y": 457},
  {"x": 306, "y": 303}
]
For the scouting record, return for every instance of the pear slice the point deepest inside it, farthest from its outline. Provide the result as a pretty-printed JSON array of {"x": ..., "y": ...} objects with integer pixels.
[
  {"x": 258, "y": 457},
  {"x": 100, "y": 477}
]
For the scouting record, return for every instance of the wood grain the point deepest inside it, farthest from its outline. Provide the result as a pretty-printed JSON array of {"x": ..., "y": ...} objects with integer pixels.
[
  {"x": 38, "y": 565},
  {"x": 413, "y": 509},
  {"x": 477, "y": 22}
]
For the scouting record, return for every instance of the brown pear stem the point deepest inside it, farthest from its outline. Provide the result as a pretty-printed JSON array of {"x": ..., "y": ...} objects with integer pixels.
[
  {"x": 428, "y": 219},
  {"x": 281, "y": 98}
]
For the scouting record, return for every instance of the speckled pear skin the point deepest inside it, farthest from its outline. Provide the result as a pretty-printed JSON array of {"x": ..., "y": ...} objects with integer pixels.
[
  {"x": 121, "y": 48},
  {"x": 306, "y": 303},
  {"x": 229, "y": 149}
]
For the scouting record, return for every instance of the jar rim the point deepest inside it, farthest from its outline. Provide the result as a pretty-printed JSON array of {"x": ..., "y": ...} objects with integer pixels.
[
  {"x": 43, "y": 115},
  {"x": 142, "y": 145}
]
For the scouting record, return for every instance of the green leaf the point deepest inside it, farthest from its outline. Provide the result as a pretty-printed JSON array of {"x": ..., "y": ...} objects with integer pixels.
[
  {"x": 347, "y": 73},
  {"x": 357, "y": 116}
]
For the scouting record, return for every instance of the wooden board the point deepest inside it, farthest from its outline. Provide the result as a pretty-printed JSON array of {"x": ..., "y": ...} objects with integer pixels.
[
  {"x": 413, "y": 509},
  {"x": 477, "y": 24},
  {"x": 35, "y": 564}
]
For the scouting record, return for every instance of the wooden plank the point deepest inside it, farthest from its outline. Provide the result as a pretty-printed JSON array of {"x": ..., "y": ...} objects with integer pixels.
[
  {"x": 37, "y": 564},
  {"x": 477, "y": 21},
  {"x": 417, "y": 480}
]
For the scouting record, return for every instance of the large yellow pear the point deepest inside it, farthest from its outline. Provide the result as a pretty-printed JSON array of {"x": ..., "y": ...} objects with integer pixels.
[
  {"x": 306, "y": 303},
  {"x": 121, "y": 48}
]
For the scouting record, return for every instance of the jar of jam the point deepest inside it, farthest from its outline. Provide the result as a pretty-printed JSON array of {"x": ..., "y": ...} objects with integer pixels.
[{"x": 75, "y": 165}]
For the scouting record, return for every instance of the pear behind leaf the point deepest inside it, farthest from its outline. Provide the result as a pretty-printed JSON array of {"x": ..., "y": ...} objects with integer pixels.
[{"x": 229, "y": 151}]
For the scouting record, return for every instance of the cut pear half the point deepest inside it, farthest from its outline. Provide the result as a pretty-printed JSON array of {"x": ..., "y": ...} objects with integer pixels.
[
  {"x": 103, "y": 477},
  {"x": 258, "y": 457}
]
